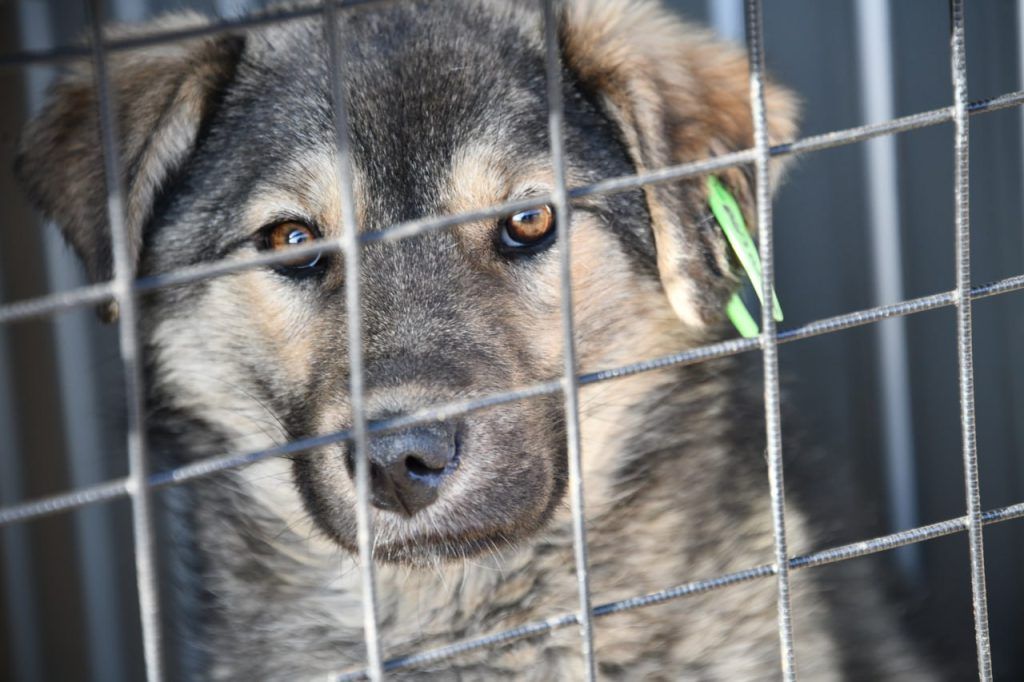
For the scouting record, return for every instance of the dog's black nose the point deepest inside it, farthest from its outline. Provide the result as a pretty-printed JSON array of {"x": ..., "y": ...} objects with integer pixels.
[{"x": 407, "y": 467}]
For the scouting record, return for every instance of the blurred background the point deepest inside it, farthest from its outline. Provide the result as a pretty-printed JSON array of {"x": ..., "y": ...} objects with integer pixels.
[{"x": 856, "y": 226}]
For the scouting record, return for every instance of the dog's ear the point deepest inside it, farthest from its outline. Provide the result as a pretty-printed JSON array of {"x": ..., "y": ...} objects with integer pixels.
[
  {"x": 161, "y": 95},
  {"x": 677, "y": 95}
]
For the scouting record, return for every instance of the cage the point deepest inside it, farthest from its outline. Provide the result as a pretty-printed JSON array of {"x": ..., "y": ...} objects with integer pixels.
[{"x": 879, "y": 386}]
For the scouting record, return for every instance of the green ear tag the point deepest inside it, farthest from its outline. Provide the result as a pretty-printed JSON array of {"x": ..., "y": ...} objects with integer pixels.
[{"x": 730, "y": 218}]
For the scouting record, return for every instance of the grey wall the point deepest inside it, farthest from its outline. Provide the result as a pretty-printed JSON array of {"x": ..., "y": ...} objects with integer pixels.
[{"x": 67, "y": 601}]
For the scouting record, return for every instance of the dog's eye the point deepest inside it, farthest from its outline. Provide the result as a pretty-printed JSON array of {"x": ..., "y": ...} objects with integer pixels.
[
  {"x": 290, "y": 234},
  {"x": 528, "y": 231}
]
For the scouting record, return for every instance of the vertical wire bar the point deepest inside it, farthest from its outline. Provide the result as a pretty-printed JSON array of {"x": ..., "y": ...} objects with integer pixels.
[
  {"x": 964, "y": 341},
  {"x": 350, "y": 247},
  {"x": 124, "y": 273},
  {"x": 874, "y": 56},
  {"x": 769, "y": 344},
  {"x": 1020, "y": 70},
  {"x": 570, "y": 381}
]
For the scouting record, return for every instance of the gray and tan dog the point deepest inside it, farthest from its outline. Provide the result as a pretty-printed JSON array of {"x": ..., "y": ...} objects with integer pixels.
[{"x": 228, "y": 149}]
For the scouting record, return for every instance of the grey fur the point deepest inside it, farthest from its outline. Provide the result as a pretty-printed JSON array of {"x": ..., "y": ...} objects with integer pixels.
[{"x": 447, "y": 106}]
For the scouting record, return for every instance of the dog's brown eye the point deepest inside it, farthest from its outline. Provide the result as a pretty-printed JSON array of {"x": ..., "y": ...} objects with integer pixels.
[
  {"x": 528, "y": 230},
  {"x": 290, "y": 234}
]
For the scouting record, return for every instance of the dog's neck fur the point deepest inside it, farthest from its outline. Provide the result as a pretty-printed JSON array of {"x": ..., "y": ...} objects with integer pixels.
[{"x": 280, "y": 601}]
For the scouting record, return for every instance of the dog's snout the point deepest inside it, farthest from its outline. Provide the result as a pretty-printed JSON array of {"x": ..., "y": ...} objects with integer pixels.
[{"x": 407, "y": 467}]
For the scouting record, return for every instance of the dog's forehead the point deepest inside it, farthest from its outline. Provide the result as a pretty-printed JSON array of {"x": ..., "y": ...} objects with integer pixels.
[{"x": 421, "y": 84}]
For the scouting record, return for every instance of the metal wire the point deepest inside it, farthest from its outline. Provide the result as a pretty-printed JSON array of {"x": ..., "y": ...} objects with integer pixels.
[
  {"x": 137, "y": 483},
  {"x": 570, "y": 381},
  {"x": 65, "y": 53},
  {"x": 828, "y": 556},
  {"x": 769, "y": 342},
  {"x": 358, "y": 437},
  {"x": 964, "y": 338}
]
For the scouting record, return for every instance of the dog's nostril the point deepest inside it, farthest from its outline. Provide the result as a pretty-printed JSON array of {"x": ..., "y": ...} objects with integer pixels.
[{"x": 418, "y": 467}]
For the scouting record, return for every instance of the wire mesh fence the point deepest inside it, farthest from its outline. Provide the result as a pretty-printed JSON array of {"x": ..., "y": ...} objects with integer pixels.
[{"x": 124, "y": 289}]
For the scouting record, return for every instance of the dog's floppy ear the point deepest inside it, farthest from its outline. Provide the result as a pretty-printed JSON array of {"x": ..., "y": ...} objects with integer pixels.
[
  {"x": 677, "y": 95},
  {"x": 162, "y": 94}
]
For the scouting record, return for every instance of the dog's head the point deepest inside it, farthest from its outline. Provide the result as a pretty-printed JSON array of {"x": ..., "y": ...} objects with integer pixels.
[{"x": 228, "y": 148}]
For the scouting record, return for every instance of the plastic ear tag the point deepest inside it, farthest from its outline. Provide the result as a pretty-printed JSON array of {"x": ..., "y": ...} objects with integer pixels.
[{"x": 730, "y": 218}]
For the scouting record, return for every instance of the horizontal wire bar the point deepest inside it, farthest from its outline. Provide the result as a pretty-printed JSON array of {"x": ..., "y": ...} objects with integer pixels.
[
  {"x": 51, "y": 303},
  {"x": 828, "y": 556},
  {"x": 196, "y": 273},
  {"x": 104, "y": 291},
  {"x": 57, "y": 302},
  {"x": 55, "y": 504},
  {"x": 65, "y": 53},
  {"x": 67, "y": 501},
  {"x": 808, "y": 144}
]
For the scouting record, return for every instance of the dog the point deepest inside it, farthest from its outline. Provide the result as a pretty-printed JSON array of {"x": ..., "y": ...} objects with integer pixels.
[{"x": 228, "y": 149}]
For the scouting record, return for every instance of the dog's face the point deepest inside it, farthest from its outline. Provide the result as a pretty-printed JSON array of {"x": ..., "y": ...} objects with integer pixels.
[{"x": 230, "y": 149}]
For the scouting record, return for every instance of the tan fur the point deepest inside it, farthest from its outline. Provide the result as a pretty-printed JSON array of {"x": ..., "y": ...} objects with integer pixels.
[
  {"x": 160, "y": 95},
  {"x": 283, "y": 324}
]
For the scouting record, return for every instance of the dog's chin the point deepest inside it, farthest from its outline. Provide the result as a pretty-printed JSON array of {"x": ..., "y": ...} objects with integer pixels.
[
  {"x": 428, "y": 551},
  {"x": 409, "y": 543}
]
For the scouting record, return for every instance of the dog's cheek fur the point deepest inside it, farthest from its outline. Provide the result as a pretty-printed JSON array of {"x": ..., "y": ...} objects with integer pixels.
[
  {"x": 621, "y": 316},
  {"x": 244, "y": 343}
]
